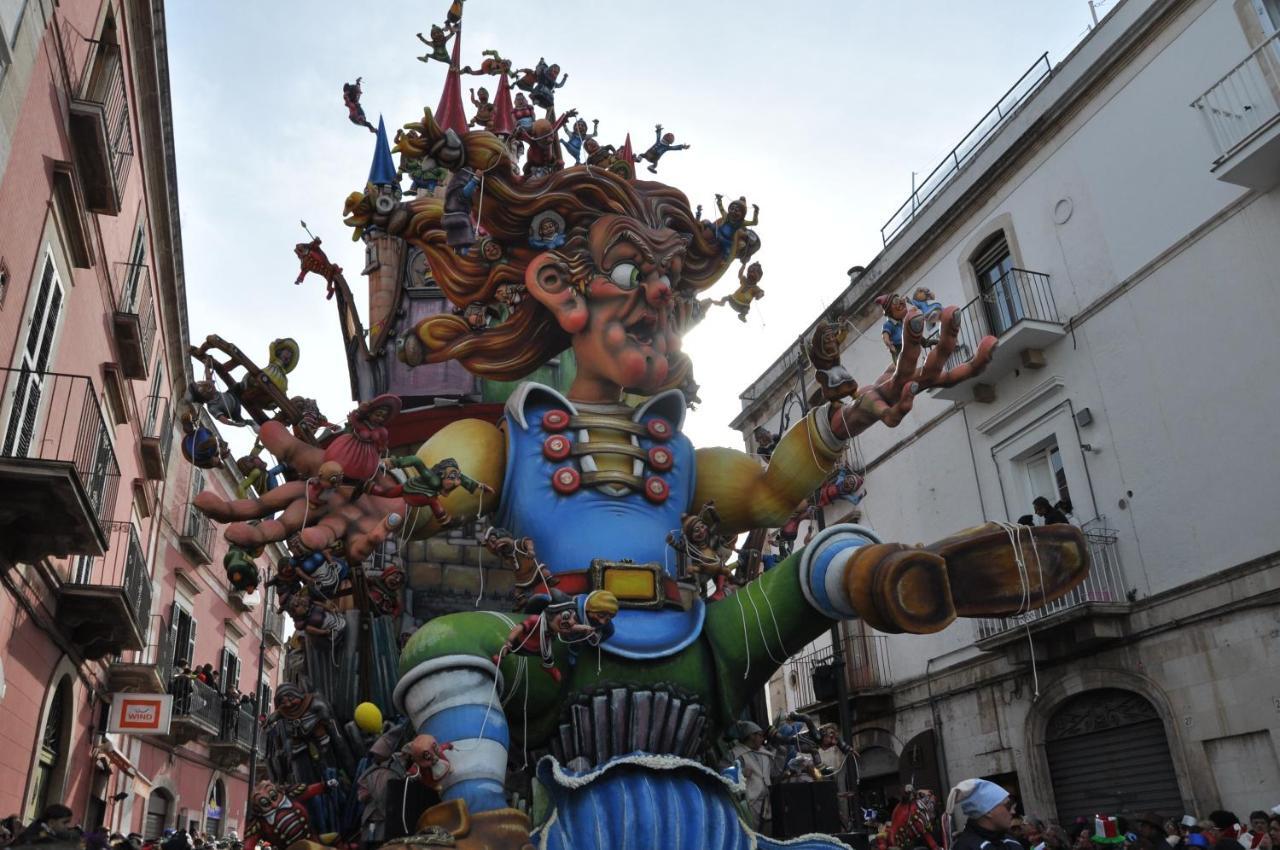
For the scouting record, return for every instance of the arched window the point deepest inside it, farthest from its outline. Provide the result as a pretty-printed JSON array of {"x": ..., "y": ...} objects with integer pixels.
[
  {"x": 1107, "y": 752},
  {"x": 993, "y": 267},
  {"x": 159, "y": 804},
  {"x": 215, "y": 808},
  {"x": 51, "y": 758}
]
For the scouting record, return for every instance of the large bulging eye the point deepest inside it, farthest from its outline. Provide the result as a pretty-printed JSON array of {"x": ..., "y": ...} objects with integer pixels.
[{"x": 625, "y": 276}]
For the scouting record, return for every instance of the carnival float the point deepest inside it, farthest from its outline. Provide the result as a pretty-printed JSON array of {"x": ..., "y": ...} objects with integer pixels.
[{"x": 520, "y": 393}]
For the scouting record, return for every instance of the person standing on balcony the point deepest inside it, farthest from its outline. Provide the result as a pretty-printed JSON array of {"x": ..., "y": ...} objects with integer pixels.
[{"x": 1048, "y": 514}]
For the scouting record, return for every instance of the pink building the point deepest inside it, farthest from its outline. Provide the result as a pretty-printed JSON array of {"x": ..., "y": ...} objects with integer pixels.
[{"x": 110, "y": 584}]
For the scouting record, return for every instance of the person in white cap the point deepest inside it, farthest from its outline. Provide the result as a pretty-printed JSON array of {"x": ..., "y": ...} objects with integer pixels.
[
  {"x": 989, "y": 810},
  {"x": 757, "y": 772}
]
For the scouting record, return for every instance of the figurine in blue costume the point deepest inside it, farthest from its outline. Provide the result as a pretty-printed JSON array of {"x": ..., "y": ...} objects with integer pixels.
[
  {"x": 662, "y": 143},
  {"x": 578, "y": 137},
  {"x": 734, "y": 238}
]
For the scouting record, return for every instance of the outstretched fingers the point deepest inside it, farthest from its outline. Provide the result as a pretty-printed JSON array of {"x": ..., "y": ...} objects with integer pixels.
[
  {"x": 285, "y": 447},
  {"x": 974, "y": 366},
  {"x": 909, "y": 356}
]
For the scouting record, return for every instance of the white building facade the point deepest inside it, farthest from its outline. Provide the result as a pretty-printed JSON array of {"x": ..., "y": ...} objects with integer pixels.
[{"x": 1116, "y": 224}]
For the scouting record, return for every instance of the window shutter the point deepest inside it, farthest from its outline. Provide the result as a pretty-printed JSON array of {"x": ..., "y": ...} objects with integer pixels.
[
  {"x": 191, "y": 639},
  {"x": 175, "y": 651}
]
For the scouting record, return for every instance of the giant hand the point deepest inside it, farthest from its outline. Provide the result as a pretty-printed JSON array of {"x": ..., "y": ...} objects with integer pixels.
[
  {"x": 892, "y": 395},
  {"x": 360, "y": 522}
]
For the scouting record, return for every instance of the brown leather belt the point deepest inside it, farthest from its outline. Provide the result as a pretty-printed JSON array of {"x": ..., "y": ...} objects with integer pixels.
[{"x": 634, "y": 585}]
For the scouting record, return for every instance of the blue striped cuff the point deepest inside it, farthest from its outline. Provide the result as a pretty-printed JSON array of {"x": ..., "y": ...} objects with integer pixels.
[{"x": 462, "y": 722}]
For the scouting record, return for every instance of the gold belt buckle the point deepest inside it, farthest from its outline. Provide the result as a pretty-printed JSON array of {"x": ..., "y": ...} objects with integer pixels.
[{"x": 635, "y": 585}]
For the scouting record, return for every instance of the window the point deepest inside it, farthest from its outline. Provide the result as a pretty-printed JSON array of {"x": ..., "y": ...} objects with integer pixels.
[
  {"x": 1045, "y": 475},
  {"x": 43, "y": 320},
  {"x": 52, "y": 757},
  {"x": 11, "y": 20},
  {"x": 264, "y": 698},
  {"x": 149, "y": 424},
  {"x": 229, "y": 664},
  {"x": 1268, "y": 15},
  {"x": 992, "y": 264},
  {"x": 182, "y": 636},
  {"x": 134, "y": 271}
]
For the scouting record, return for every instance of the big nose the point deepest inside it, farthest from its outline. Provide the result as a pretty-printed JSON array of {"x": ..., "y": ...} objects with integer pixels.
[{"x": 656, "y": 290}]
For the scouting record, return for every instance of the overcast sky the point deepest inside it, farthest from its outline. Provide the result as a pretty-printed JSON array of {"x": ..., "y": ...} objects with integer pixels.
[{"x": 817, "y": 111}]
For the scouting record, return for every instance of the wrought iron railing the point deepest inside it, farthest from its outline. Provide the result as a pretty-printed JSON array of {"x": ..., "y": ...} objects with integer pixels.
[
  {"x": 103, "y": 84},
  {"x": 866, "y": 666},
  {"x": 1105, "y": 583},
  {"x": 132, "y": 295},
  {"x": 54, "y": 417},
  {"x": 199, "y": 529},
  {"x": 1019, "y": 295},
  {"x": 236, "y": 725},
  {"x": 123, "y": 567},
  {"x": 195, "y": 700},
  {"x": 960, "y": 155},
  {"x": 1246, "y": 99},
  {"x": 273, "y": 620}
]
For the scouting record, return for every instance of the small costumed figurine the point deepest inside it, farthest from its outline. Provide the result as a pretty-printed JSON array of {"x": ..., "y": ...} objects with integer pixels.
[
  {"x": 578, "y": 137},
  {"x": 824, "y": 352},
  {"x": 748, "y": 291},
  {"x": 545, "y": 85},
  {"x": 546, "y": 231},
  {"x": 518, "y": 555},
  {"x": 765, "y": 441},
  {"x": 895, "y": 310},
  {"x": 315, "y": 616},
  {"x": 384, "y": 592},
  {"x": 731, "y": 228},
  {"x": 493, "y": 65},
  {"x": 662, "y": 143},
  {"x": 484, "y": 109},
  {"x": 437, "y": 43},
  {"x": 313, "y": 259},
  {"x": 913, "y": 820},
  {"x": 584, "y": 619},
  {"x": 428, "y": 763},
  {"x": 278, "y": 816},
  {"x": 358, "y": 450},
  {"x": 522, "y": 112},
  {"x": 201, "y": 446},
  {"x": 700, "y": 546},
  {"x": 927, "y": 303},
  {"x": 355, "y": 112},
  {"x": 425, "y": 489},
  {"x": 541, "y": 159}
]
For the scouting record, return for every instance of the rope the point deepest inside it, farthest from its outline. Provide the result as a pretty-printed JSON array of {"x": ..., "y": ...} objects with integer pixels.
[
  {"x": 746, "y": 644},
  {"x": 1014, "y": 531}
]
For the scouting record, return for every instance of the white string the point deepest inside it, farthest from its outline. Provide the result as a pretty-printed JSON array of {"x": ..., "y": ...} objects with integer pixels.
[
  {"x": 782, "y": 647},
  {"x": 745, "y": 639},
  {"x": 1014, "y": 531},
  {"x": 760, "y": 626}
]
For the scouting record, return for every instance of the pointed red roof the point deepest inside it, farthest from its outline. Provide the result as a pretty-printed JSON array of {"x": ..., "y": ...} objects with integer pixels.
[
  {"x": 627, "y": 156},
  {"x": 504, "y": 119},
  {"x": 449, "y": 114}
]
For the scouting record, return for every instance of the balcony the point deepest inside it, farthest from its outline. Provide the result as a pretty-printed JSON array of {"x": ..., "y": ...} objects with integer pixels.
[
  {"x": 58, "y": 471},
  {"x": 197, "y": 710},
  {"x": 1242, "y": 114},
  {"x": 1089, "y": 616},
  {"x": 105, "y": 603},
  {"x": 157, "y": 436},
  {"x": 99, "y": 129},
  {"x": 924, "y": 193},
  {"x": 273, "y": 627},
  {"x": 148, "y": 671},
  {"x": 235, "y": 737},
  {"x": 1019, "y": 311},
  {"x": 811, "y": 678},
  {"x": 134, "y": 318},
  {"x": 197, "y": 537}
]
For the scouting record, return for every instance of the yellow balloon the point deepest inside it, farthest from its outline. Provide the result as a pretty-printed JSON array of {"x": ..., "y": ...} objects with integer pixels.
[{"x": 369, "y": 718}]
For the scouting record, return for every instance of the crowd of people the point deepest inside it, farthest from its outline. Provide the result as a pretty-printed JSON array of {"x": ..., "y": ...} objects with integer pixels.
[
  {"x": 56, "y": 828},
  {"x": 988, "y": 817}
]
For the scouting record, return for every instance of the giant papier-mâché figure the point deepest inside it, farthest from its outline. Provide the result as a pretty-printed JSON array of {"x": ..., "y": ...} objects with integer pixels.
[{"x": 596, "y": 483}]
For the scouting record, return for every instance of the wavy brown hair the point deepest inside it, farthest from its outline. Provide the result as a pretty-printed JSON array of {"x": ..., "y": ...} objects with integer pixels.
[{"x": 505, "y": 207}]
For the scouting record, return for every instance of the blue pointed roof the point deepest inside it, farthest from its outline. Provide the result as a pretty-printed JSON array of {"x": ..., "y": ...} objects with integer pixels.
[{"x": 383, "y": 170}]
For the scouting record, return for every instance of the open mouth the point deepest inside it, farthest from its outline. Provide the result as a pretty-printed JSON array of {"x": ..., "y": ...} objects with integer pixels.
[{"x": 642, "y": 330}]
